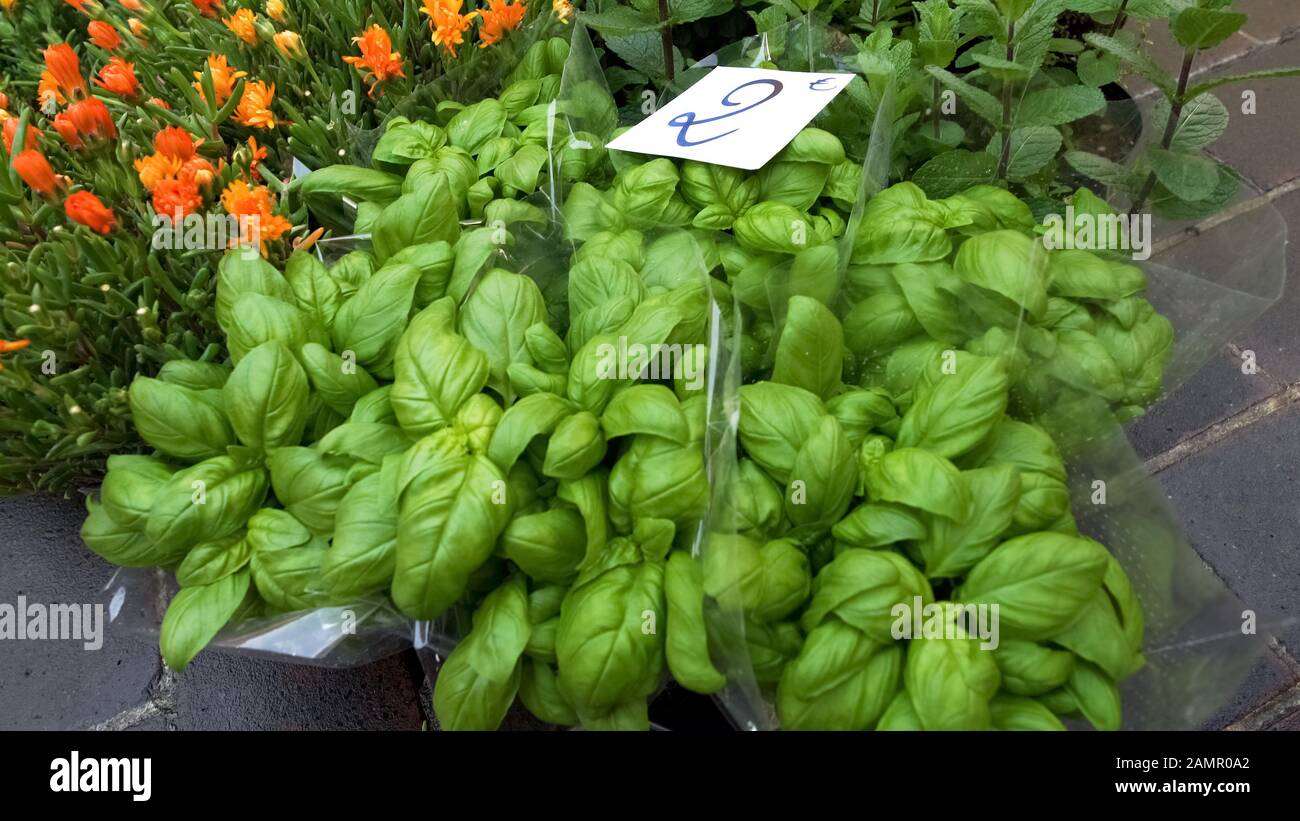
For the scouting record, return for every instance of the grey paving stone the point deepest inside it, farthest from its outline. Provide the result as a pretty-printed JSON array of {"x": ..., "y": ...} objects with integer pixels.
[
  {"x": 1216, "y": 392},
  {"x": 1266, "y": 680},
  {"x": 1239, "y": 504},
  {"x": 225, "y": 691},
  {"x": 1275, "y": 338},
  {"x": 1270, "y": 20},
  {"x": 58, "y": 684},
  {"x": 1262, "y": 145}
]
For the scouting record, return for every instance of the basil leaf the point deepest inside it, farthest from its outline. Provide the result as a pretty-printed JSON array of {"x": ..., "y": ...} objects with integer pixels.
[
  {"x": 212, "y": 561},
  {"x": 1018, "y": 713},
  {"x": 434, "y": 375},
  {"x": 809, "y": 354},
  {"x": 920, "y": 479},
  {"x": 370, "y": 324},
  {"x": 950, "y": 548},
  {"x": 176, "y": 421},
  {"x": 1030, "y": 669},
  {"x": 496, "y": 317},
  {"x": 841, "y": 680},
  {"x": 205, "y": 502},
  {"x": 548, "y": 546},
  {"x": 427, "y": 214},
  {"x": 861, "y": 588},
  {"x": 195, "y": 616},
  {"x": 448, "y": 521},
  {"x": 314, "y": 291},
  {"x": 266, "y": 397},
  {"x": 950, "y": 681},
  {"x": 1040, "y": 582},
  {"x": 775, "y": 421},
  {"x": 686, "y": 642},
  {"x": 337, "y": 382}
]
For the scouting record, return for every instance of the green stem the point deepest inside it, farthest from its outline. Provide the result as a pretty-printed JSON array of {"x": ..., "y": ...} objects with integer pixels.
[
  {"x": 1119, "y": 19},
  {"x": 1004, "y": 161},
  {"x": 1171, "y": 127},
  {"x": 934, "y": 112},
  {"x": 666, "y": 33}
]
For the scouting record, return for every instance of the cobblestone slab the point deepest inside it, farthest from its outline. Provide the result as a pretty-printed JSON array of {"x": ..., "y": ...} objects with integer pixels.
[
  {"x": 59, "y": 685},
  {"x": 226, "y": 691},
  {"x": 1238, "y": 503}
]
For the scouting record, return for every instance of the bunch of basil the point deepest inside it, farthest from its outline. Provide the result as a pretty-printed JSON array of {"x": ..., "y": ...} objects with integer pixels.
[{"x": 435, "y": 419}]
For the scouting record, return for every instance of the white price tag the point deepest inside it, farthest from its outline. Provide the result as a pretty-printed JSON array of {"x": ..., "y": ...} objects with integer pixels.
[{"x": 740, "y": 117}]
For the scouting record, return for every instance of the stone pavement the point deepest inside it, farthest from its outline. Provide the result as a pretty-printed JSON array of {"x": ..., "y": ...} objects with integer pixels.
[{"x": 1225, "y": 447}]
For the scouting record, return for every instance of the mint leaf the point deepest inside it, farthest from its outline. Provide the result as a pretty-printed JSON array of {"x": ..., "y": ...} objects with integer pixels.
[
  {"x": 1187, "y": 176},
  {"x": 1058, "y": 106},
  {"x": 955, "y": 171}
]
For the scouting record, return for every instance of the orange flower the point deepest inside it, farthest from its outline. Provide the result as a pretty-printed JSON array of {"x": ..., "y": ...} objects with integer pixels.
[
  {"x": 174, "y": 142},
  {"x": 377, "y": 60},
  {"x": 8, "y": 5},
  {"x": 131, "y": 5},
  {"x": 254, "y": 109},
  {"x": 176, "y": 198},
  {"x": 103, "y": 35},
  {"x": 91, "y": 119},
  {"x": 138, "y": 28},
  {"x": 85, "y": 208},
  {"x": 118, "y": 77},
  {"x": 208, "y": 8},
  {"x": 155, "y": 168},
  {"x": 288, "y": 43},
  {"x": 243, "y": 24},
  {"x": 48, "y": 92},
  {"x": 275, "y": 10},
  {"x": 79, "y": 5},
  {"x": 257, "y": 154},
  {"x": 35, "y": 170},
  {"x": 11, "y": 133},
  {"x": 448, "y": 24},
  {"x": 254, "y": 207},
  {"x": 501, "y": 17},
  {"x": 563, "y": 10},
  {"x": 199, "y": 171},
  {"x": 223, "y": 78},
  {"x": 4, "y": 101},
  {"x": 161, "y": 103},
  {"x": 65, "y": 69}
]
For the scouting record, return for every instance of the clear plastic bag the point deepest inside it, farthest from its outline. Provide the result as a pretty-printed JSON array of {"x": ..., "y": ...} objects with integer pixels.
[{"x": 1194, "y": 648}]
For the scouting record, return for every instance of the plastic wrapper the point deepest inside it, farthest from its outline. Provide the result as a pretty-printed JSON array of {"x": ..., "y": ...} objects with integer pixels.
[{"x": 1194, "y": 649}]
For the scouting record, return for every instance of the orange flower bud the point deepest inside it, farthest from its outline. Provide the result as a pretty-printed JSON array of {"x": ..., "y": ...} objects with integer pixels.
[
  {"x": 103, "y": 35},
  {"x": 118, "y": 77},
  {"x": 85, "y": 208},
  {"x": 35, "y": 170}
]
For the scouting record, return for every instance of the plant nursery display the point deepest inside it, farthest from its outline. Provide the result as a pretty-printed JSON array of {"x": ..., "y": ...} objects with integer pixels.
[{"x": 326, "y": 304}]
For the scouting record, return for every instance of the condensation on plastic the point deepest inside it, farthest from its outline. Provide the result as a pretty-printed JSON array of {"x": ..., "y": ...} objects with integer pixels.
[
  {"x": 1212, "y": 284},
  {"x": 1212, "y": 281}
]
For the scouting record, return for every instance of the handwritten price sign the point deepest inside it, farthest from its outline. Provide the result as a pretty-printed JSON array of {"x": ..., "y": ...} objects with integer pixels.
[{"x": 740, "y": 117}]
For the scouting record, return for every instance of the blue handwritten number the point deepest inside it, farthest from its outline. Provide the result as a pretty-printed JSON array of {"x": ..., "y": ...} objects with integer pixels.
[
  {"x": 685, "y": 120},
  {"x": 816, "y": 85}
]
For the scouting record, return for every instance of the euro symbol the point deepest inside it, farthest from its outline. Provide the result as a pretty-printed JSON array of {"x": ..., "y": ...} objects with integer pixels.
[
  {"x": 816, "y": 85},
  {"x": 685, "y": 120}
]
